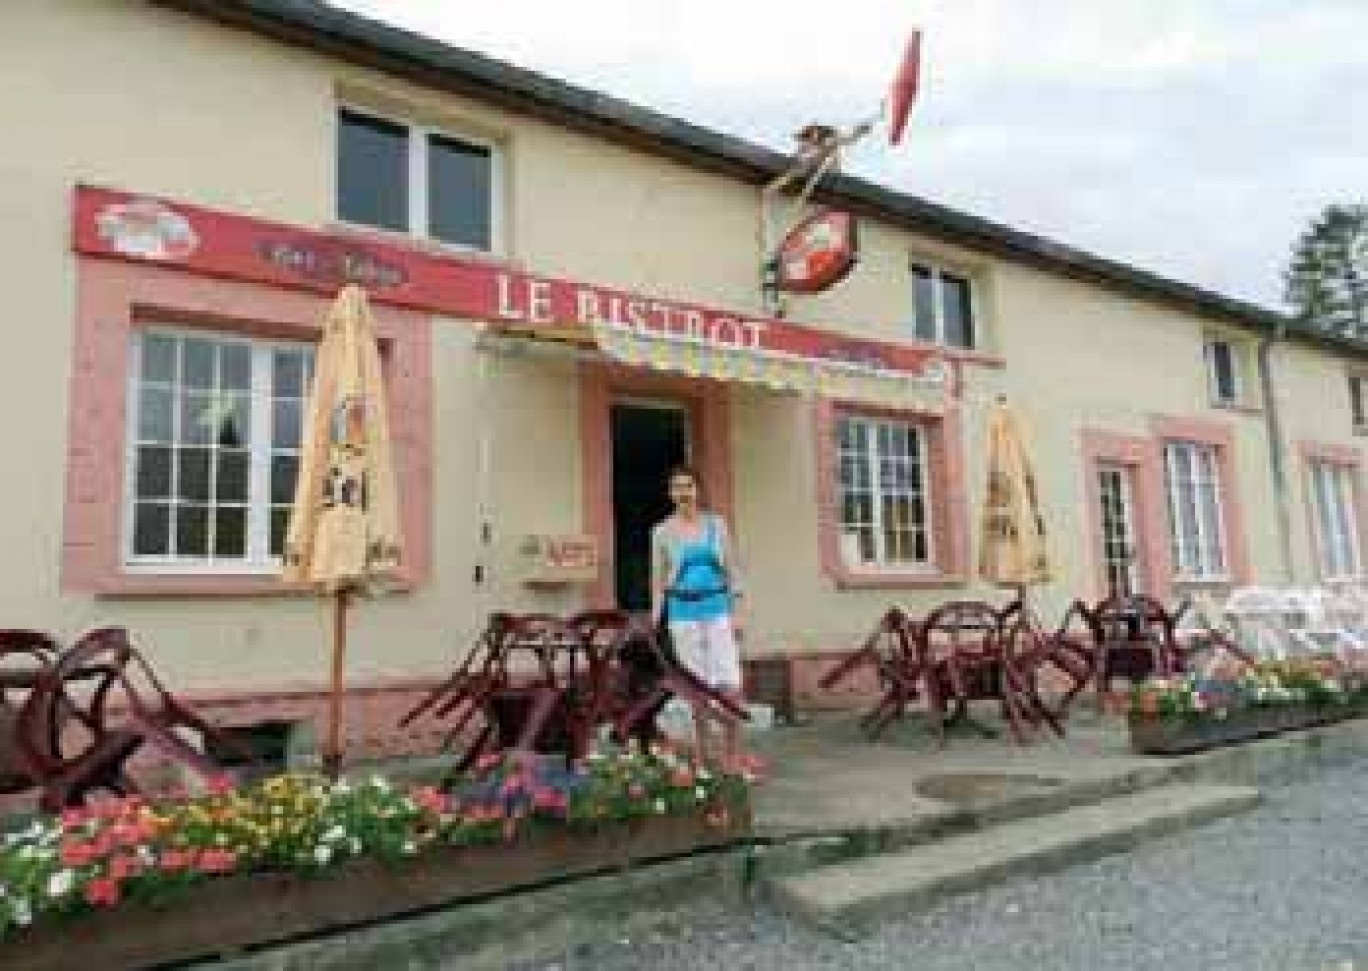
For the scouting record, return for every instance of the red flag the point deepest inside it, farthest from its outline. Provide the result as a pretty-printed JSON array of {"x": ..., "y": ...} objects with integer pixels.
[{"x": 904, "y": 90}]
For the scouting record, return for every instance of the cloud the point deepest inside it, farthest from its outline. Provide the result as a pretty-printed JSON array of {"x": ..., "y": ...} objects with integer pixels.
[{"x": 1193, "y": 139}]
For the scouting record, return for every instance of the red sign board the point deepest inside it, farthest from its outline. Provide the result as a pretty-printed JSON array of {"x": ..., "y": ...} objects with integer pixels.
[
  {"x": 818, "y": 252},
  {"x": 122, "y": 225}
]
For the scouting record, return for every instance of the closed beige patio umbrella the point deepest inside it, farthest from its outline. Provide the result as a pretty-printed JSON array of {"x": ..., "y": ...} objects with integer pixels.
[
  {"x": 343, "y": 535},
  {"x": 1012, "y": 539}
]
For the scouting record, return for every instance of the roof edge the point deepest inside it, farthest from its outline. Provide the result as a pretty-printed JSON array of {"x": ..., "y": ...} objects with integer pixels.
[{"x": 433, "y": 63}]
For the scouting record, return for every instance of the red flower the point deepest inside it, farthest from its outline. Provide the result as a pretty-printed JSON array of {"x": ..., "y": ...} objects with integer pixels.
[
  {"x": 221, "y": 785},
  {"x": 71, "y": 818},
  {"x": 123, "y": 867},
  {"x": 681, "y": 778},
  {"x": 102, "y": 892},
  {"x": 176, "y": 859},
  {"x": 77, "y": 854},
  {"x": 217, "y": 861}
]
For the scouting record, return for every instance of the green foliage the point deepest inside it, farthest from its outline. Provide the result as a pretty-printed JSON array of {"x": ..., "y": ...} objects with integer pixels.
[{"x": 1327, "y": 278}]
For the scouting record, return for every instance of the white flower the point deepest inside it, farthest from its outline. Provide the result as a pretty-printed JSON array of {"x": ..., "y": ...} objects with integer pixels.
[
  {"x": 409, "y": 848},
  {"x": 700, "y": 793},
  {"x": 660, "y": 806},
  {"x": 323, "y": 854},
  {"x": 380, "y": 782},
  {"x": 60, "y": 883},
  {"x": 704, "y": 774},
  {"x": 354, "y": 845},
  {"x": 22, "y": 912},
  {"x": 335, "y": 834}
]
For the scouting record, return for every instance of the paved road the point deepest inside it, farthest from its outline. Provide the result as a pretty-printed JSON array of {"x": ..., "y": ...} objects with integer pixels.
[{"x": 1284, "y": 888}]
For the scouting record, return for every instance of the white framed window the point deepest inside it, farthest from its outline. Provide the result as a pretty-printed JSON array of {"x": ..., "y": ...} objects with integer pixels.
[
  {"x": 1223, "y": 372},
  {"x": 1120, "y": 554},
  {"x": 418, "y": 180},
  {"x": 883, "y": 491},
  {"x": 212, "y": 450},
  {"x": 1197, "y": 533},
  {"x": 1333, "y": 499},
  {"x": 942, "y": 307}
]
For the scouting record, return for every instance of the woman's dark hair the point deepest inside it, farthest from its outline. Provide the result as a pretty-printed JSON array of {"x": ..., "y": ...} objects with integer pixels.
[{"x": 684, "y": 471}]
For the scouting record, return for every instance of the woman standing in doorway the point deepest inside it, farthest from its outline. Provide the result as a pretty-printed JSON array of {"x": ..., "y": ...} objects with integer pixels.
[{"x": 694, "y": 581}]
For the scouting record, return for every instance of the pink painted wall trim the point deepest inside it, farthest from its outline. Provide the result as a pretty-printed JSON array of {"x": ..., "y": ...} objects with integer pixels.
[
  {"x": 710, "y": 426},
  {"x": 1143, "y": 459},
  {"x": 1221, "y": 437},
  {"x": 1350, "y": 458},
  {"x": 949, "y": 498},
  {"x": 113, "y": 300}
]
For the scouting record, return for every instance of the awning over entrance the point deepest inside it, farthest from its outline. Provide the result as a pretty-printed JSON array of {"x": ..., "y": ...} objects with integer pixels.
[{"x": 925, "y": 388}]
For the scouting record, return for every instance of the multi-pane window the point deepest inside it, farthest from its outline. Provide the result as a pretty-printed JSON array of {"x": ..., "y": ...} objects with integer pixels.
[
  {"x": 942, "y": 307},
  {"x": 1192, "y": 475},
  {"x": 1223, "y": 372},
  {"x": 414, "y": 180},
  {"x": 1333, "y": 499},
  {"x": 214, "y": 432},
  {"x": 1119, "y": 554},
  {"x": 882, "y": 483}
]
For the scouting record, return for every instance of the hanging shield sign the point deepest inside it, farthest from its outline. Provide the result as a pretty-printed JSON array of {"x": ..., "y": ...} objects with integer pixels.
[{"x": 817, "y": 253}]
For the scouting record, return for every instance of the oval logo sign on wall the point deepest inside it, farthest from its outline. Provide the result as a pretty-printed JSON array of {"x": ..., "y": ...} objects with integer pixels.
[{"x": 817, "y": 253}]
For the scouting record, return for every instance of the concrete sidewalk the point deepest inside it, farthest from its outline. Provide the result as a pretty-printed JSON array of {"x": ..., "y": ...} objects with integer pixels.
[{"x": 826, "y": 777}]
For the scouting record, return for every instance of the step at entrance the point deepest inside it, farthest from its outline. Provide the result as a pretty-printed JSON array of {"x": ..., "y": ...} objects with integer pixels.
[{"x": 847, "y": 897}]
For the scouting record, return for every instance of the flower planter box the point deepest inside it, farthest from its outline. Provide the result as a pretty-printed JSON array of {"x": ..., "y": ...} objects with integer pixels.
[
  {"x": 230, "y": 914},
  {"x": 1152, "y": 735}
]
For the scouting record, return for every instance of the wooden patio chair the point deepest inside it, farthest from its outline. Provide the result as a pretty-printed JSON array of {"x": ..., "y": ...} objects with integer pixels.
[
  {"x": 26, "y": 657},
  {"x": 1134, "y": 637},
  {"x": 890, "y": 652},
  {"x": 652, "y": 678},
  {"x": 1068, "y": 649},
  {"x": 63, "y": 736}
]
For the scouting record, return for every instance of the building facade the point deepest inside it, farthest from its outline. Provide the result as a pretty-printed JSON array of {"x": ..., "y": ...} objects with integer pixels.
[{"x": 197, "y": 178}]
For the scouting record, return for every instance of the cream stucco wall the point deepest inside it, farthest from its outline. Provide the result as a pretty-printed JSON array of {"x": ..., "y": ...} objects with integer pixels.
[{"x": 130, "y": 96}]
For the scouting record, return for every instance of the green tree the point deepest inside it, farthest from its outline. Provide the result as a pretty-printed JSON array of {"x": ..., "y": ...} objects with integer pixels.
[{"x": 1327, "y": 279}]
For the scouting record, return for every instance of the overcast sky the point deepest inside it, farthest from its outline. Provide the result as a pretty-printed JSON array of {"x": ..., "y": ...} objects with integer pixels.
[{"x": 1191, "y": 137}]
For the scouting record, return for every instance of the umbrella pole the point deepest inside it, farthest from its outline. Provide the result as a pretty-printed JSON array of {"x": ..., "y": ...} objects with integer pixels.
[{"x": 332, "y": 756}]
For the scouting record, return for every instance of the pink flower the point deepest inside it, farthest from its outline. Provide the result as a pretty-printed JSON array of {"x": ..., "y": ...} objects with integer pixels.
[
  {"x": 681, "y": 778},
  {"x": 123, "y": 867},
  {"x": 221, "y": 785},
  {"x": 636, "y": 791},
  {"x": 173, "y": 860},
  {"x": 72, "y": 818},
  {"x": 217, "y": 861},
  {"x": 77, "y": 854}
]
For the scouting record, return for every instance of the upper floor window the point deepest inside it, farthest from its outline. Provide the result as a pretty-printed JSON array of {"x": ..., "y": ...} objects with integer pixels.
[
  {"x": 415, "y": 180},
  {"x": 1356, "y": 401},
  {"x": 1223, "y": 372},
  {"x": 1192, "y": 476},
  {"x": 882, "y": 490},
  {"x": 213, "y": 449},
  {"x": 942, "y": 307}
]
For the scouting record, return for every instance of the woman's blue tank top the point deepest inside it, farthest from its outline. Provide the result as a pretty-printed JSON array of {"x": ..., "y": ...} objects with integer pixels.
[{"x": 698, "y": 573}]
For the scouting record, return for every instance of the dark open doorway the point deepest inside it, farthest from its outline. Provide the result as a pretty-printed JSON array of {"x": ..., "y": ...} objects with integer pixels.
[{"x": 648, "y": 440}]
